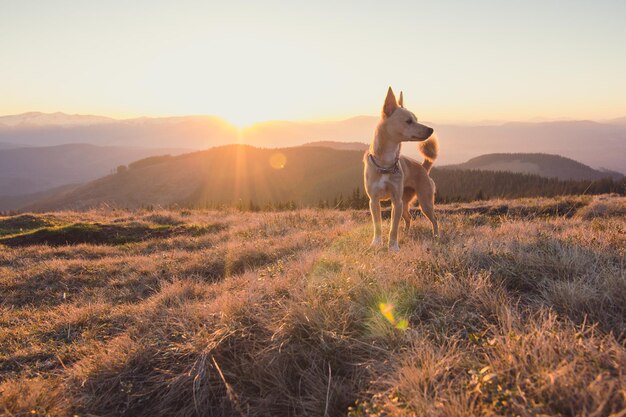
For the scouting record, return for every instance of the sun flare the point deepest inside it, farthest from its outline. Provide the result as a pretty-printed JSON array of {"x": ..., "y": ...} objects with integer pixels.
[{"x": 278, "y": 160}]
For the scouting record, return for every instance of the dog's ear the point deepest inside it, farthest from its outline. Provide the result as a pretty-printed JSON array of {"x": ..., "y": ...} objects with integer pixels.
[
  {"x": 390, "y": 104},
  {"x": 401, "y": 100}
]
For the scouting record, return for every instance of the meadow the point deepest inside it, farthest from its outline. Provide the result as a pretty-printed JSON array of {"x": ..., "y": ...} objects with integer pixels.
[{"x": 518, "y": 309}]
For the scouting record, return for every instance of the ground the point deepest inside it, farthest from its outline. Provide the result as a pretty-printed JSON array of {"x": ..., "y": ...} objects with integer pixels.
[{"x": 517, "y": 309}]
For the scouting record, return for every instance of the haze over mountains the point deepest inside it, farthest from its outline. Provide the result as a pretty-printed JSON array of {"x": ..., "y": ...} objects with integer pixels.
[
  {"x": 41, "y": 152},
  {"x": 597, "y": 144},
  {"x": 193, "y": 132}
]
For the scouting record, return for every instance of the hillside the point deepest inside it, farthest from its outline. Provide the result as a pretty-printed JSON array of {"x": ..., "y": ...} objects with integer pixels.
[
  {"x": 550, "y": 166},
  {"x": 518, "y": 309},
  {"x": 18, "y": 201},
  {"x": 244, "y": 176},
  {"x": 224, "y": 175},
  {"x": 35, "y": 169}
]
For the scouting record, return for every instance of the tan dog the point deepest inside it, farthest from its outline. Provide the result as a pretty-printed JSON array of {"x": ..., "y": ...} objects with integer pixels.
[{"x": 399, "y": 178}]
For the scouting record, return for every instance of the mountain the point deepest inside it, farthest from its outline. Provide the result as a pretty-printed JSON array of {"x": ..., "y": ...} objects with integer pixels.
[
  {"x": 35, "y": 169},
  {"x": 619, "y": 120},
  {"x": 6, "y": 145},
  {"x": 245, "y": 176},
  {"x": 15, "y": 202},
  {"x": 592, "y": 143},
  {"x": 222, "y": 175},
  {"x": 192, "y": 132},
  {"x": 544, "y": 165},
  {"x": 52, "y": 119}
]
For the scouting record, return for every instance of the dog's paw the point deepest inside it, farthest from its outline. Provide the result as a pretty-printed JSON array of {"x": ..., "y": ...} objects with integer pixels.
[
  {"x": 376, "y": 243},
  {"x": 394, "y": 247}
]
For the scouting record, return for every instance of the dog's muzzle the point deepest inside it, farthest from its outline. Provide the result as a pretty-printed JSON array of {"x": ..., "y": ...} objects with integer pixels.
[{"x": 430, "y": 132}]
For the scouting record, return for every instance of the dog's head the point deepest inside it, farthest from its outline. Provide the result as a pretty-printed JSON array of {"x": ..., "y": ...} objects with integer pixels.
[{"x": 400, "y": 123}]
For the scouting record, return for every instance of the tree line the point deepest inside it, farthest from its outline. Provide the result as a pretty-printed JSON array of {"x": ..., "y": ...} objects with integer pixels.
[
  {"x": 454, "y": 185},
  {"x": 471, "y": 185}
]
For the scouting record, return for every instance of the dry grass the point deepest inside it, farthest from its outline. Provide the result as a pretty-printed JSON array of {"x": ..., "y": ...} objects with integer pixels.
[{"x": 519, "y": 309}]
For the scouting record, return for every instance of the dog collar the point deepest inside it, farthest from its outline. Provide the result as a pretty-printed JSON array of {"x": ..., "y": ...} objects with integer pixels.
[{"x": 393, "y": 169}]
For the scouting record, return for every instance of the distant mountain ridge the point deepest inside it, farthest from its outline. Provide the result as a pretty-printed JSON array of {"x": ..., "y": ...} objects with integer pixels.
[
  {"x": 545, "y": 165},
  {"x": 52, "y": 119},
  {"x": 6, "y": 145},
  {"x": 192, "y": 132},
  {"x": 597, "y": 144}
]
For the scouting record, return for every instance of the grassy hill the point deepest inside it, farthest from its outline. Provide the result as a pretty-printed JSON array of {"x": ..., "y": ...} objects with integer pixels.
[
  {"x": 544, "y": 165},
  {"x": 244, "y": 176},
  {"x": 223, "y": 175},
  {"x": 518, "y": 309}
]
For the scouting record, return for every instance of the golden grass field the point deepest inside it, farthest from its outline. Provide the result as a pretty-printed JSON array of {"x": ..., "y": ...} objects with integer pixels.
[{"x": 519, "y": 309}]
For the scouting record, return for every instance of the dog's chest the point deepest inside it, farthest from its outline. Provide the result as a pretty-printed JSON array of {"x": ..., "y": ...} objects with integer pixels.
[{"x": 382, "y": 185}]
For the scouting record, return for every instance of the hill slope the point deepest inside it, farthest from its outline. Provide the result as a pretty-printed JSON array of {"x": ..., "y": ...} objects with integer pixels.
[
  {"x": 544, "y": 165},
  {"x": 224, "y": 175},
  {"x": 243, "y": 176},
  {"x": 196, "y": 313},
  {"x": 35, "y": 169}
]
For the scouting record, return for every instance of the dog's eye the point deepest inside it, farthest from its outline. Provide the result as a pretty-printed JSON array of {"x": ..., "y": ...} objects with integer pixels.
[{"x": 410, "y": 121}]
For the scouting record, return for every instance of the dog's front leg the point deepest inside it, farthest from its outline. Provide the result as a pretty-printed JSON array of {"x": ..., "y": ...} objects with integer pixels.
[
  {"x": 377, "y": 222},
  {"x": 396, "y": 213}
]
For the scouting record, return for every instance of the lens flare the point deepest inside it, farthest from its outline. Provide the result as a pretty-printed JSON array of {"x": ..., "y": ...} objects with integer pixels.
[
  {"x": 278, "y": 160},
  {"x": 386, "y": 310}
]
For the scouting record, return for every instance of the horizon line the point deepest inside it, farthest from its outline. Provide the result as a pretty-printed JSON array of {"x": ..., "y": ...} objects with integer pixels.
[{"x": 484, "y": 122}]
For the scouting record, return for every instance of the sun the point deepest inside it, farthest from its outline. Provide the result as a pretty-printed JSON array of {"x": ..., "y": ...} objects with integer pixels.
[{"x": 243, "y": 120}]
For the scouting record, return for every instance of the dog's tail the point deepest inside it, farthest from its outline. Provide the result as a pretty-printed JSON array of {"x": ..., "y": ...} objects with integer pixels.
[{"x": 429, "y": 150}]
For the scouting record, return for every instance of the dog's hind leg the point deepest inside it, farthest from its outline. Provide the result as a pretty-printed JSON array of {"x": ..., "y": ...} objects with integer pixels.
[
  {"x": 428, "y": 208},
  {"x": 377, "y": 223},
  {"x": 407, "y": 197}
]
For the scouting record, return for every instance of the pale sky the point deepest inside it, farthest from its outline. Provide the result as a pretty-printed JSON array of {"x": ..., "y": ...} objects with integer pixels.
[{"x": 250, "y": 61}]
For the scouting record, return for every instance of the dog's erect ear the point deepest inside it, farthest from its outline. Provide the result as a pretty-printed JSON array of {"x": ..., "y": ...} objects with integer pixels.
[
  {"x": 401, "y": 100},
  {"x": 390, "y": 104}
]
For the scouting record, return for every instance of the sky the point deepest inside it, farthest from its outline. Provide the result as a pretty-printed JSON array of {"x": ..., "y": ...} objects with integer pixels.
[{"x": 251, "y": 61}]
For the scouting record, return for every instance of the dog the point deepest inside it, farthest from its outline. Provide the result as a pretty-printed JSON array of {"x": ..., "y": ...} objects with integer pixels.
[{"x": 390, "y": 176}]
